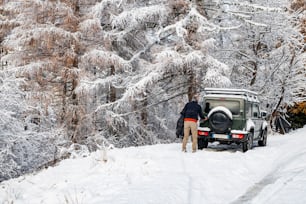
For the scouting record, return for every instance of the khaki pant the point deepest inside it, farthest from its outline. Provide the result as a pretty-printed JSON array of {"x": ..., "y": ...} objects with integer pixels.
[{"x": 189, "y": 125}]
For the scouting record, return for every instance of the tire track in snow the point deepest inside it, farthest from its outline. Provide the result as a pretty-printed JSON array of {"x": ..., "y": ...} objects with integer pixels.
[
  {"x": 194, "y": 192},
  {"x": 253, "y": 191},
  {"x": 190, "y": 182},
  {"x": 189, "y": 179},
  {"x": 270, "y": 178}
]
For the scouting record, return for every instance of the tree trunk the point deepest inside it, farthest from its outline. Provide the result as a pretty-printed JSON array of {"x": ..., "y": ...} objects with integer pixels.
[
  {"x": 191, "y": 85},
  {"x": 112, "y": 89},
  {"x": 144, "y": 112},
  {"x": 254, "y": 73}
]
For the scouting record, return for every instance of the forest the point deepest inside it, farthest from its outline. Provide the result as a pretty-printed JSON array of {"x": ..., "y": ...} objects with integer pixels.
[{"x": 81, "y": 75}]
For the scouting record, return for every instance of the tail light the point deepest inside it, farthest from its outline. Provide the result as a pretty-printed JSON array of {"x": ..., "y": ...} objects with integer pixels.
[
  {"x": 238, "y": 136},
  {"x": 203, "y": 133}
]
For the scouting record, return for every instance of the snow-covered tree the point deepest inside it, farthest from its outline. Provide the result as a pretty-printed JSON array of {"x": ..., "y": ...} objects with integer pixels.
[
  {"x": 43, "y": 51},
  {"x": 38, "y": 49},
  {"x": 298, "y": 75},
  {"x": 142, "y": 55},
  {"x": 261, "y": 45}
]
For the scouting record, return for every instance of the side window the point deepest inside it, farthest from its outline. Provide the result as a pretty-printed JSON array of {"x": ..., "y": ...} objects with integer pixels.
[
  {"x": 248, "y": 110},
  {"x": 255, "y": 110}
]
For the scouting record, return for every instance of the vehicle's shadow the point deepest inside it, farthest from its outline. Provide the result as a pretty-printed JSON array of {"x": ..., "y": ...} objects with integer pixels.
[{"x": 215, "y": 147}]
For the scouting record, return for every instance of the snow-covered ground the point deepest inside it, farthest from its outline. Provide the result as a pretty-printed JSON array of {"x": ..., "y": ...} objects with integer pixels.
[{"x": 162, "y": 174}]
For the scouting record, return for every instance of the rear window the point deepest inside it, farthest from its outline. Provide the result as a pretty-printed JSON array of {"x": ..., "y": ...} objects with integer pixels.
[{"x": 233, "y": 106}]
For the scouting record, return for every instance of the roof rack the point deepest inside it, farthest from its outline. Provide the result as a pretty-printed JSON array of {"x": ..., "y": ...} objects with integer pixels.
[{"x": 239, "y": 92}]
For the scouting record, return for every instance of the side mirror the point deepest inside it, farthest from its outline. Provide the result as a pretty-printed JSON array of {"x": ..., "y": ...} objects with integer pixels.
[{"x": 263, "y": 114}]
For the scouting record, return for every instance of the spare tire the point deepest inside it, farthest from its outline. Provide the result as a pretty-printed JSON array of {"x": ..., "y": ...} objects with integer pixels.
[{"x": 220, "y": 120}]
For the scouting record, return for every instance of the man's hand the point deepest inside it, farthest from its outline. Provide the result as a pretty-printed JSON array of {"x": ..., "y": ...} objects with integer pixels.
[{"x": 204, "y": 119}]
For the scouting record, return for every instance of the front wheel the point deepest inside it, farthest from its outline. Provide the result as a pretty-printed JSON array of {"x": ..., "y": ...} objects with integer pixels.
[
  {"x": 202, "y": 143},
  {"x": 263, "y": 140}
]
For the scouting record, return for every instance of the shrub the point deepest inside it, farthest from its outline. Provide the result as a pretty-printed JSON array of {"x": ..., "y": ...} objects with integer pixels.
[{"x": 297, "y": 115}]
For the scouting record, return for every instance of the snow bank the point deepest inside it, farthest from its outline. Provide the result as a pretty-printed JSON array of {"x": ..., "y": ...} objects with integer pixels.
[{"x": 163, "y": 174}]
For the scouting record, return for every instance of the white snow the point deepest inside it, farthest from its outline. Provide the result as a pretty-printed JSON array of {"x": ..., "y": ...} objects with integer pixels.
[
  {"x": 274, "y": 174},
  {"x": 264, "y": 125},
  {"x": 249, "y": 124}
]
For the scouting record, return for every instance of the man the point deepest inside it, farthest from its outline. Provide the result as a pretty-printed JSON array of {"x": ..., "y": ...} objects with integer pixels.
[
  {"x": 207, "y": 108},
  {"x": 191, "y": 113}
]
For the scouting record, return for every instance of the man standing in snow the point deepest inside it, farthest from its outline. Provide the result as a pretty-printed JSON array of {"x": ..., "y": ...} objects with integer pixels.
[{"x": 191, "y": 113}]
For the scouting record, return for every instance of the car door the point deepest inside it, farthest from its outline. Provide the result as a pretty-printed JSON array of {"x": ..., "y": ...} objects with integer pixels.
[{"x": 256, "y": 119}]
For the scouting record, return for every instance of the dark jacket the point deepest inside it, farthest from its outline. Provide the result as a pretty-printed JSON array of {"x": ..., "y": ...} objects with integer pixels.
[
  {"x": 180, "y": 127},
  {"x": 192, "y": 110}
]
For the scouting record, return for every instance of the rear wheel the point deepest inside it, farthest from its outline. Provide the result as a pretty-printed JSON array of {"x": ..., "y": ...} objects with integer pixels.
[
  {"x": 248, "y": 144},
  {"x": 263, "y": 140},
  {"x": 202, "y": 143}
]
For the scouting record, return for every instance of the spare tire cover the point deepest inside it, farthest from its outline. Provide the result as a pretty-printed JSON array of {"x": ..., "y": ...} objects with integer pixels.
[{"x": 220, "y": 121}]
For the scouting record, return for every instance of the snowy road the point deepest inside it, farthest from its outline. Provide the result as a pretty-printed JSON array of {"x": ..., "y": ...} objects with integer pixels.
[{"x": 163, "y": 174}]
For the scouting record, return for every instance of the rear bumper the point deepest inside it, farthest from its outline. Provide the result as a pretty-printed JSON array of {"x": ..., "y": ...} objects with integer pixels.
[{"x": 212, "y": 137}]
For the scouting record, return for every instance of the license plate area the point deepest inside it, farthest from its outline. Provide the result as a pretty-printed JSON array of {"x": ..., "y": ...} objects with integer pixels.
[{"x": 220, "y": 136}]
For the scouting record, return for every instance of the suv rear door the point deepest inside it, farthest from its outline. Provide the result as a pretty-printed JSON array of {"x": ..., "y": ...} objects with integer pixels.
[{"x": 235, "y": 105}]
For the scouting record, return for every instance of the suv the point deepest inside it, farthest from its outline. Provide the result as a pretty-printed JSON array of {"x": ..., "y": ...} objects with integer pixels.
[{"x": 233, "y": 117}]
